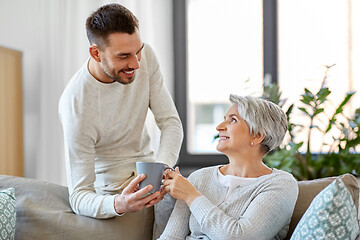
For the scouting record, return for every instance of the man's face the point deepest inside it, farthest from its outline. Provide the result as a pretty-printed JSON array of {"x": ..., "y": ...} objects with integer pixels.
[{"x": 121, "y": 57}]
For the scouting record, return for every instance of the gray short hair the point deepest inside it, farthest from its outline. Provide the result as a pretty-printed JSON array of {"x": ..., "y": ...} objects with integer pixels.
[{"x": 264, "y": 118}]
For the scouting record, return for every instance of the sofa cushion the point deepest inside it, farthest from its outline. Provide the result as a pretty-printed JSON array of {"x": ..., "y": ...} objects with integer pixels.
[
  {"x": 7, "y": 214},
  {"x": 331, "y": 215},
  {"x": 310, "y": 188}
]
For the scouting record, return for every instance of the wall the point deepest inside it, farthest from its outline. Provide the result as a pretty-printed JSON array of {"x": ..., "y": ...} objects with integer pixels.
[{"x": 51, "y": 35}]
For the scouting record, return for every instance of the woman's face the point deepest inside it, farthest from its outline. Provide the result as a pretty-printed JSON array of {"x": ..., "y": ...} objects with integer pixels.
[{"x": 234, "y": 133}]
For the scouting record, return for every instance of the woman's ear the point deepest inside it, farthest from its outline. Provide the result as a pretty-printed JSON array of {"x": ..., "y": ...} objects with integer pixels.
[
  {"x": 95, "y": 52},
  {"x": 258, "y": 138}
]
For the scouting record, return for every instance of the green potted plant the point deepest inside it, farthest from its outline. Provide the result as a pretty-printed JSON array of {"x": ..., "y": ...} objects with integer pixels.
[{"x": 341, "y": 156}]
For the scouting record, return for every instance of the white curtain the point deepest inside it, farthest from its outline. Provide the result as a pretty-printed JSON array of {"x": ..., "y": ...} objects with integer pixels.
[{"x": 52, "y": 37}]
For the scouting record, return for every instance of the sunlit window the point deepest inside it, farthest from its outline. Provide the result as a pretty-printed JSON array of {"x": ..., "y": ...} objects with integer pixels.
[
  {"x": 311, "y": 35},
  {"x": 225, "y": 55}
]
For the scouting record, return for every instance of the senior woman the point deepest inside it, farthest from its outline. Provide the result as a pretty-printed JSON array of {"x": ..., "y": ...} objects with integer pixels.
[{"x": 243, "y": 199}]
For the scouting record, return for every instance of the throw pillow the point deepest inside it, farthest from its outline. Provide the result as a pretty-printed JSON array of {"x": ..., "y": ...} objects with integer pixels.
[
  {"x": 7, "y": 214},
  {"x": 331, "y": 215}
]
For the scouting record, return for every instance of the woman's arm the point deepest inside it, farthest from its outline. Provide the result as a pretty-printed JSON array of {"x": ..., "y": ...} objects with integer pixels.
[
  {"x": 177, "y": 227},
  {"x": 266, "y": 214},
  {"x": 264, "y": 218}
]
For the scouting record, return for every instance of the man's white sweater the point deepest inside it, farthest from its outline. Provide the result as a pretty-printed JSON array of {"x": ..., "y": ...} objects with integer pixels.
[{"x": 105, "y": 133}]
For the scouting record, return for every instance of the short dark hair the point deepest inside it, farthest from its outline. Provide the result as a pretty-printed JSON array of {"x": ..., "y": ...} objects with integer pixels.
[{"x": 108, "y": 19}]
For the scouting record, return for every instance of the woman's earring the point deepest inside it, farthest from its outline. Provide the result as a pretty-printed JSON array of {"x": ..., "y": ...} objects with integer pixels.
[{"x": 252, "y": 144}]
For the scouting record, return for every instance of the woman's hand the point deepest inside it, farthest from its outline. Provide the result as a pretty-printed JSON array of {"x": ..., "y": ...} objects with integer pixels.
[{"x": 180, "y": 188}]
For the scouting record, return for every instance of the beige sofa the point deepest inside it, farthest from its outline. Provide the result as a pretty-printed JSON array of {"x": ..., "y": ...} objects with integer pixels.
[
  {"x": 43, "y": 212},
  {"x": 309, "y": 189}
]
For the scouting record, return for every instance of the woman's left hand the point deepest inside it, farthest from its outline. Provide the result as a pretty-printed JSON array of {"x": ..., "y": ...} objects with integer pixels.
[{"x": 180, "y": 188}]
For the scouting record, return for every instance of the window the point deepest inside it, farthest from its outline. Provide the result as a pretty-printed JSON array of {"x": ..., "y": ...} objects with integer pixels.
[
  {"x": 224, "y": 56},
  {"x": 312, "y": 34},
  {"x": 227, "y": 46}
]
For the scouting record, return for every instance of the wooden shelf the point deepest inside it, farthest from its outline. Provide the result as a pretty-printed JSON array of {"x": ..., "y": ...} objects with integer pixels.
[{"x": 11, "y": 113}]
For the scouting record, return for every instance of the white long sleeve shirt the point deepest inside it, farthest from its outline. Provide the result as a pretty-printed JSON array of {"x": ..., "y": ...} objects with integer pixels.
[{"x": 105, "y": 133}]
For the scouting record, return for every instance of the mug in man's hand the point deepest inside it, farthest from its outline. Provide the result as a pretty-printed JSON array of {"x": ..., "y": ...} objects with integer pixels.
[{"x": 154, "y": 173}]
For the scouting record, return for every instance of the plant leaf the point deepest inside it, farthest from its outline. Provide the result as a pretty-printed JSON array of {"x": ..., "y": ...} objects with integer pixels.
[
  {"x": 305, "y": 111},
  {"x": 322, "y": 94},
  {"x": 317, "y": 111},
  {"x": 345, "y": 101}
]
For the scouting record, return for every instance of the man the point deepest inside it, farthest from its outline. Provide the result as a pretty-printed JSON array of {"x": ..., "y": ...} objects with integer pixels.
[{"x": 103, "y": 111}]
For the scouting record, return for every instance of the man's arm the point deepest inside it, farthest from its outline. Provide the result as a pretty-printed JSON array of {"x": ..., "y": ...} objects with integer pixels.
[
  {"x": 80, "y": 136},
  {"x": 165, "y": 113}
]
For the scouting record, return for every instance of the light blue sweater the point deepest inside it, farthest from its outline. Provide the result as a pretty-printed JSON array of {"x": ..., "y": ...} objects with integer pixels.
[{"x": 259, "y": 210}]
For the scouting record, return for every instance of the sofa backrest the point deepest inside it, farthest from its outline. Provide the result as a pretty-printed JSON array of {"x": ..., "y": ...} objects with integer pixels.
[{"x": 309, "y": 189}]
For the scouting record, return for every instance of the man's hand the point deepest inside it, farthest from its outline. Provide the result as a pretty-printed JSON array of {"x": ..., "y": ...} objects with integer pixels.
[
  {"x": 180, "y": 188},
  {"x": 132, "y": 199}
]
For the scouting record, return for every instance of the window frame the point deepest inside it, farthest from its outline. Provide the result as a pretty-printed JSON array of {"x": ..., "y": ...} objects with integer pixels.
[{"x": 186, "y": 159}]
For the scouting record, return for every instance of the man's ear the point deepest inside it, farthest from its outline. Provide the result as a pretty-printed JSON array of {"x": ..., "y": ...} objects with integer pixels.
[{"x": 95, "y": 52}]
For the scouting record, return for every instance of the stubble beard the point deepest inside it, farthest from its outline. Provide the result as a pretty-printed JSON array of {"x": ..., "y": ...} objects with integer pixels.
[{"x": 118, "y": 79}]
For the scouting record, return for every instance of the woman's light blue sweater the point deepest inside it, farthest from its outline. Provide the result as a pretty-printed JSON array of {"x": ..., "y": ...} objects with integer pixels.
[{"x": 259, "y": 210}]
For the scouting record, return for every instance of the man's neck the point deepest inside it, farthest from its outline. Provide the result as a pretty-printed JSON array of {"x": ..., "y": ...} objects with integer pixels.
[{"x": 95, "y": 70}]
